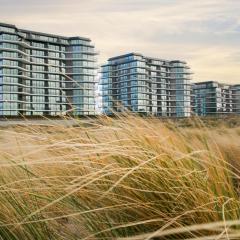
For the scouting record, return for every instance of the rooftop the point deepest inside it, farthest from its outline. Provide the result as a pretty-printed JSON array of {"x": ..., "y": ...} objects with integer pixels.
[
  {"x": 43, "y": 34},
  {"x": 141, "y": 55}
]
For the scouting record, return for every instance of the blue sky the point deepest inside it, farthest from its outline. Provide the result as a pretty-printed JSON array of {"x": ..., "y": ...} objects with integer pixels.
[{"x": 205, "y": 33}]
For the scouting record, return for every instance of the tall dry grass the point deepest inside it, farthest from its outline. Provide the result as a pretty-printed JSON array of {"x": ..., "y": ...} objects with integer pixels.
[{"x": 123, "y": 178}]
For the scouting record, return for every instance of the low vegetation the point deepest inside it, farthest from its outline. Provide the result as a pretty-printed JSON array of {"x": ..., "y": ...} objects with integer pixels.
[{"x": 123, "y": 178}]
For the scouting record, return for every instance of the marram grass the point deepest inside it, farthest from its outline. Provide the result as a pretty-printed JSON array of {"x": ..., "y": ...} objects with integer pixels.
[{"x": 123, "y": 178}]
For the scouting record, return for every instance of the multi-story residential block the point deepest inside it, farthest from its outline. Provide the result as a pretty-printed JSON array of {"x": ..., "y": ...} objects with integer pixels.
[
  {"x": 146, "y": 85},
  {"x": 236, "y": 98},
  {"x": 45, "y": 74},
  {"x": 213, "y": 98}
]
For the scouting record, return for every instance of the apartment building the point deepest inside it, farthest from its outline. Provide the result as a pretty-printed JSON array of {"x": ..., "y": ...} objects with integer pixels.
[
  {"x": 236, "y": 98},
  {"x": 213, "y": 98},
  {"x": 45, "y": 74},
  {"x": 146, "y": 85}
]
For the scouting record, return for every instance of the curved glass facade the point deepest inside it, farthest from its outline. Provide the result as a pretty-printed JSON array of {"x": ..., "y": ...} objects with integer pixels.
[
  {"x": 44, "y": 74},
  {"x": 146, "y": 85}
]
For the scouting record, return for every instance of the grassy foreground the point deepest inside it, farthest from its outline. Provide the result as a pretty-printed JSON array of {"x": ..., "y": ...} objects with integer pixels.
[{"x": 125, "y": 178}]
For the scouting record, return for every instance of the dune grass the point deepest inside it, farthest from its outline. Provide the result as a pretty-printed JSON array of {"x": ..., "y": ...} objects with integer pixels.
[{"x": 122, "y": 178}]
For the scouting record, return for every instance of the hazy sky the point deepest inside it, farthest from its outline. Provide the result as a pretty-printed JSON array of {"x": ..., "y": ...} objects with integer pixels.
[{"x": 205, "y": 33}]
